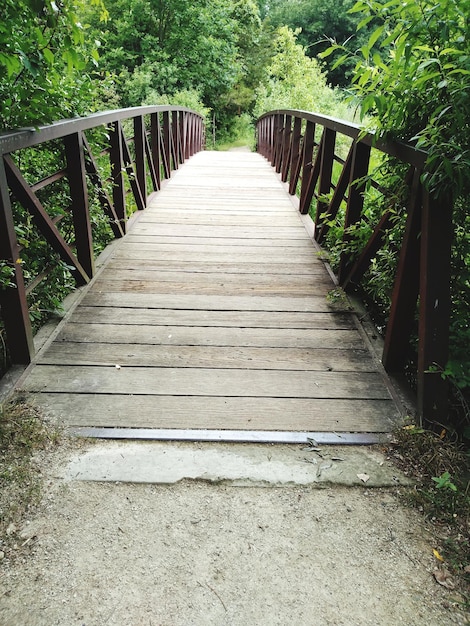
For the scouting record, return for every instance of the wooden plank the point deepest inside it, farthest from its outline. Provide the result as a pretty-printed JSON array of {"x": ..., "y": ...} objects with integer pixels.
[
  {"x": 254, "y": 232},
  {"x": 257, "y": 281},
  {"x": 214, "y": 255},
  {"x": 200, "y": 302},
  {"x": 217, "y": 207},
  {"x": 208, "y": 244},
  {"x": 200, "y": 412},
  {"x": 217, "y": 287},
  {"x": 232, "y": 357},
  {"x": 205, "y": 382},
  {"x": 211, "y": 219},
  {"x": 144, "y": 264},
  {"x": 199, "y": 336},
  {"x": 236, "y": 319}
]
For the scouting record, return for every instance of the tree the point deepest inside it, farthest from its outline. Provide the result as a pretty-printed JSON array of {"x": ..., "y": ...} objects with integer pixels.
[
  {"x": 421, "y": 90},
  {"x": 320, "y": 22},
  {"x": 43, "y": 55},
  {"x": 165, "y": 46},
  {"x": 294, "y": 80}
]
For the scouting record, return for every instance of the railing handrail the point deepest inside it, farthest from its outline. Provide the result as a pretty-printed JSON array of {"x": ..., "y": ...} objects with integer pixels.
[
  {"x": 406, "y": 152},
  {"x": 288, "y": 139},
  {"x": 32, "y": 136},
  {"x": 163, "y": 137}
]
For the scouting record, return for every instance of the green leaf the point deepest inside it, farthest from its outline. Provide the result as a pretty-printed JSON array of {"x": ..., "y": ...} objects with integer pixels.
[
  {"x": 49, "y": 56},
  {"x": 11, "y": 63},
  {"x": 375, "y": 36},
  {"x": 339, "y": 61}
]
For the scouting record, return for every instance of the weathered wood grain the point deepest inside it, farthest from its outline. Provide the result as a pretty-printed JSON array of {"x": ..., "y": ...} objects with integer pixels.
[
  {"x": 264, "y": 281},
  {"x": 173, "y": 381},
  {"x": 227, "y": 232},
  {"x": 232, "y": 357},
  {"x": 142, "y": 263},
  {"x": 185, "y": 412},
  {"x": 215, "y": 336},
  {"x": 199, "y": 302},
  {"x": 236, "y": 319},
  {"x": 150, "y": 242},
  {"x": 219, "y": 286}
]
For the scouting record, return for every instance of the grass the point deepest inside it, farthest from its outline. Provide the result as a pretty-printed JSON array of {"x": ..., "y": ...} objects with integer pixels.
[
  {"x": 440, "y": 466},
  {"x": 23, "y": 434}
]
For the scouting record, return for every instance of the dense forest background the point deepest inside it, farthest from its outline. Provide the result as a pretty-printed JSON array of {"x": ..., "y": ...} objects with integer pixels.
[
  {"x": 228, "y": 59},
  {"x": 401, "y": 67}
]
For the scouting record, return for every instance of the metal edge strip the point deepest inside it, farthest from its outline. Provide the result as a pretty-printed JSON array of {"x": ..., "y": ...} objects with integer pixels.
[{"x": 247, "y": 436}]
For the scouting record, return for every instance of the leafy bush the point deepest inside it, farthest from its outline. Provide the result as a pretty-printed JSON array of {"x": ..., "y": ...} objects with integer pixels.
[{"x": 420, "y": 92}]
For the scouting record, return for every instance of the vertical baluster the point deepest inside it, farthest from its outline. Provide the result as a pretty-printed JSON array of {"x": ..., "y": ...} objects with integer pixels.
[
  {"x": 175, "y": 134},
  {"x": 155, "y": 146},
  {"x": 307, "y": 165},
  {"x": 139, "y": 148},
  {"x": 286, "y": 148},
  {"x": 434, "y": 306},
  {"x": 13, "y": 304},
  {"x": 359, "y": 169},
  {"x": 117, "y": 165},
  {"x": 75, "y": 158},
  {"x": 326, "y": 170},
  {"x": 406, "y": 286},
  {"x": 295, "y": 155},
  {"x": 166, "y": 144}
]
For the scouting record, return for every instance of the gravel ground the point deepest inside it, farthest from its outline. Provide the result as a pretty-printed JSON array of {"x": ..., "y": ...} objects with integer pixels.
[{"x": 199, "y": 553}]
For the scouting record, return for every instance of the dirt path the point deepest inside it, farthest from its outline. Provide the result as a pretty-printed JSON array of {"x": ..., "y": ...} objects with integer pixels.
[{"x": 210, "y": 553}]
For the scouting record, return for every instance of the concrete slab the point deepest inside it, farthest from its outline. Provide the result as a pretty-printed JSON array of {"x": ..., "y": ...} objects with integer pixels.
[{"x": 237, "y": 464}]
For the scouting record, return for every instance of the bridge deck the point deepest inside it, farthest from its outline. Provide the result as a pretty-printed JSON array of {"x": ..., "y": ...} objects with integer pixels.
[{"x": 211, "y": 314}]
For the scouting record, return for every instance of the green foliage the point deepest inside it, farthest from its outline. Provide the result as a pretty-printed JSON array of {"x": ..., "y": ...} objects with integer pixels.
[
  {"x": 418, "y": 90},
  {"x": 321, "y": 22},
  {"x": 293, "y": 80},
  {"x": 157, "y": 48},
  {"x": 44, "y": 55},
  {"x": 444, "y": 482},
  {"x": 240, "y": 133}
]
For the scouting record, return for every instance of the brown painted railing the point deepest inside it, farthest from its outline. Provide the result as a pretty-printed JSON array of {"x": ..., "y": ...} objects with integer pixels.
[
  {"x": 163, "y": 137},
  {"x": 302, "y": 148}
]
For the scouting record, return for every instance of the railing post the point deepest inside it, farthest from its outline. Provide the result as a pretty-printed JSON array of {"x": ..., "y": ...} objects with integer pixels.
[
  {"x": 185, "y": 120},
  {"x": 155, "y": 146},
  {"x": 175, "y": 128},
  {"x": 75, "y": 158},
  {"x": 406, "y": 286},
  {"x": 280, "y": 143},
  {"x": 139, "y": 148},
  {"x": 181, "y": 132},
  {"x": 326, "y": 170},
  {"x": 434, "y": 307},
  {"x": 286, "y": 148},
  {"x": 295, "y": 155},
  {"x": 359, "y": 169},
  {"x": 13, "y": 304},
  {"x": 272, "y": 134},
  {"x": 307, "y": 165},
  {"x": 166, "y": 144},
  {"x": 117, "y": 177},
  {"x": 275, "y": 138}
]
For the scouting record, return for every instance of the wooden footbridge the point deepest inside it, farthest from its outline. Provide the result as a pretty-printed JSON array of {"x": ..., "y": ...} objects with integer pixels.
[{"x": 211, "y": 318}]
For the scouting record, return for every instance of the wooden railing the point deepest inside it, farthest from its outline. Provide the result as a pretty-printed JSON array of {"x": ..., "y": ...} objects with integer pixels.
[
  {"x": 302, "y": 147},
  {"x": 162, "y": 138}
]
